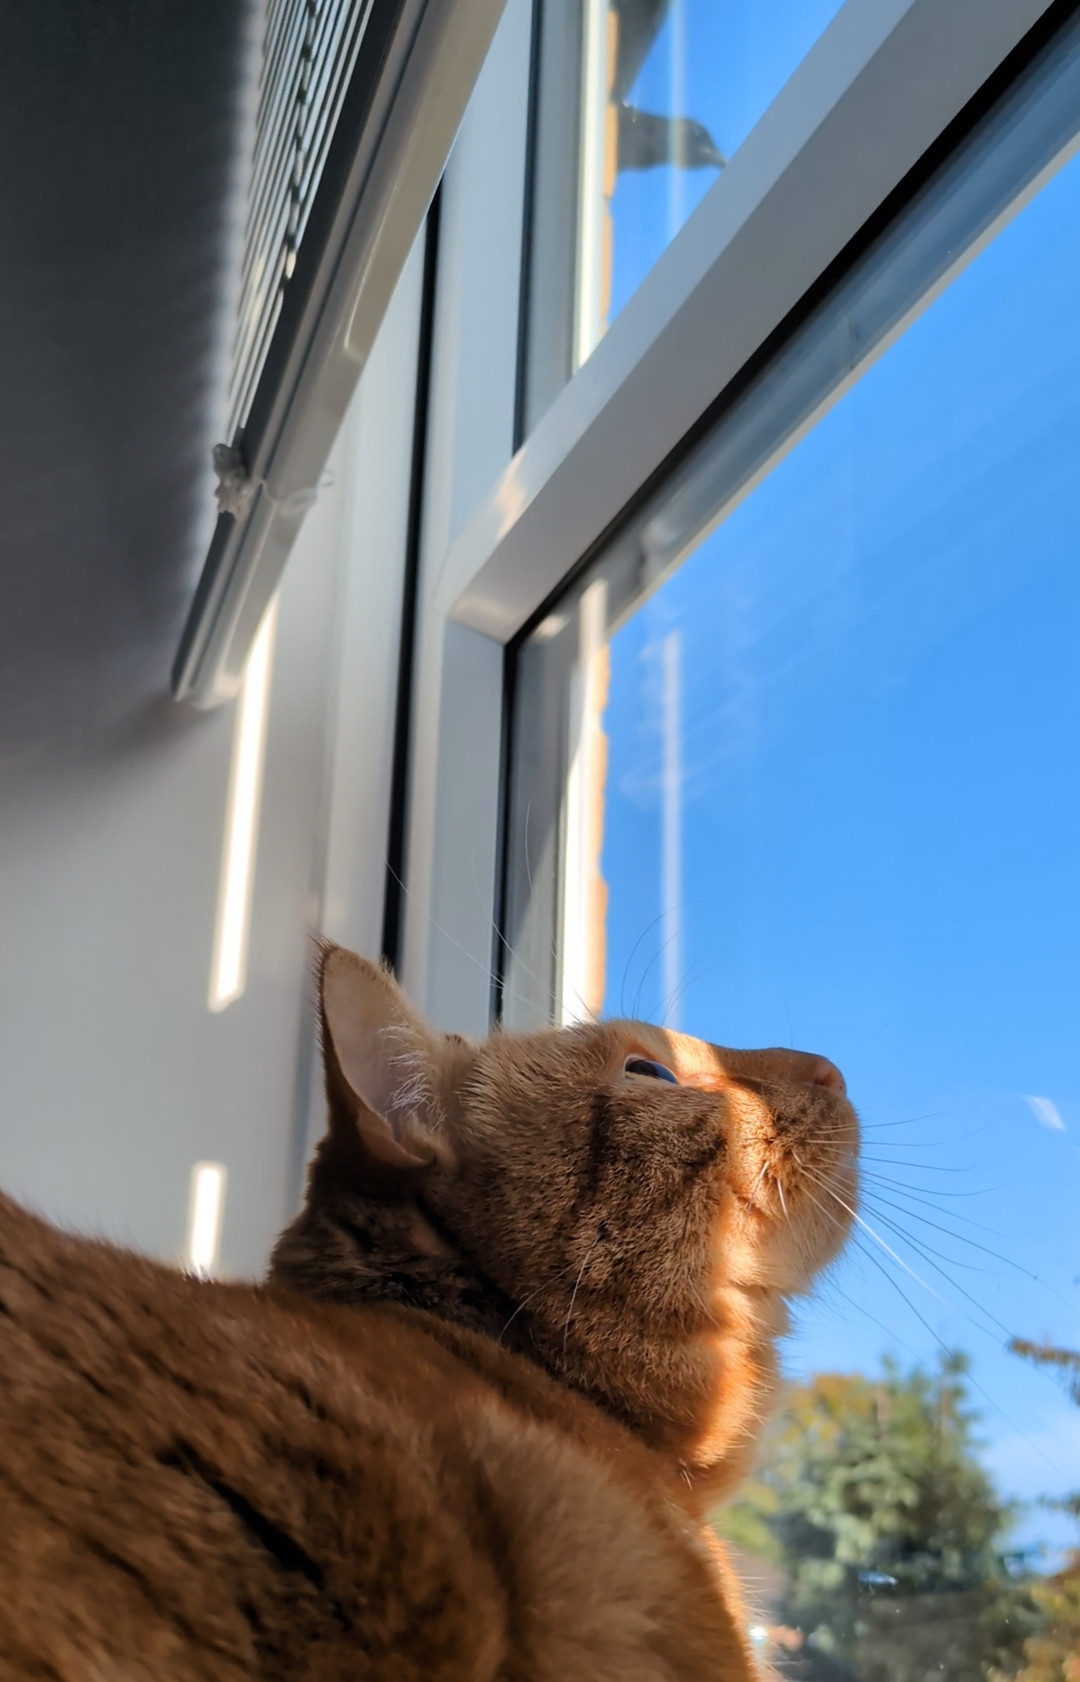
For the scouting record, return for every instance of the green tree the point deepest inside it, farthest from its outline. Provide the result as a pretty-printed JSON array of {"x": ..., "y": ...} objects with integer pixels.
[
  {"x": 1052, "y": 1652},
  {"x": 884, "y": 1529}
]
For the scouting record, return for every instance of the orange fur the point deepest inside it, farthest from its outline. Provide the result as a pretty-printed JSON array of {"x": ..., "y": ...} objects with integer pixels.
[{"x": 520, "y": 1335}]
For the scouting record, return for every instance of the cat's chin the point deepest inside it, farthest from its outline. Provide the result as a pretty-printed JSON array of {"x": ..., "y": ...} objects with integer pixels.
[
  {"x": 793, "y": 1186},
  {"x": 783, "y": 1258}
]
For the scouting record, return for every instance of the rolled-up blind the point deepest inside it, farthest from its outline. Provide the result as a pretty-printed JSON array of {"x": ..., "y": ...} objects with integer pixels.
[
  {"x": 359, "y": 103},
  {"x": 310, "y": 51}
]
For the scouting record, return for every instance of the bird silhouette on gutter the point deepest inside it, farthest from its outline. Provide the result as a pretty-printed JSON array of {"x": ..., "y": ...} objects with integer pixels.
[{"x": 646, "y": 138}]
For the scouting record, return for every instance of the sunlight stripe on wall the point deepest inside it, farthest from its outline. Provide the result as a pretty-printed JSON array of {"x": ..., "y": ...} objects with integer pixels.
[
  {"x": 228, "y": 970},
  {"x": 205, "y": 1215}
]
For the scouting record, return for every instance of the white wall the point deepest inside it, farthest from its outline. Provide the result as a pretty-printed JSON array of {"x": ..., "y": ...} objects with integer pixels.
[{"x": 115, "y": 1077}]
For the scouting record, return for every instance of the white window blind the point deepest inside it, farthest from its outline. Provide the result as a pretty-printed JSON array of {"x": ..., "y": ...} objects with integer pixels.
[
  {"x": 310, "y": 53},
  {"x": 359, "y": 104}
]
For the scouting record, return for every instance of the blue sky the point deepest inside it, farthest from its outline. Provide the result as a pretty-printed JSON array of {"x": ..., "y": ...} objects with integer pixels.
[{"x": 881, "y": 797}]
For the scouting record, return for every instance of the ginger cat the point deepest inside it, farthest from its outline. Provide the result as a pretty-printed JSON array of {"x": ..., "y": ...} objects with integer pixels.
[{"x": 517, "y": 1342}]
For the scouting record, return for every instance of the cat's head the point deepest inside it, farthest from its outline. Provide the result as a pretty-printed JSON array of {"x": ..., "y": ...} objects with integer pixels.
[{"x": 627, "y": 1205}]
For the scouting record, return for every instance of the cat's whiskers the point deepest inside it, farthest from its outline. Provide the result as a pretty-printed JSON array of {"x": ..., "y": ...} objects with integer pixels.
[
  {"x": 962, "y": 1238},
  {"x": 478, "y": 963},
  {"x": 633, "y": 954},
  {"x": 801, "y": 1246},
  {"x": 524, "y": 1303},
  {"x": 891, "y": 1253},
  {"x": 693, "y": 978},
  {"x": 869, "y": 1255},
  {"x": 710, "y": 1313},
  {"x": 863, "y": 1250},
  {"x": 877, "y": 1198},
  {"x": 573, "y": 1295},
  {"x": 754, "y": 1188},
  {"x": 928, "y": 1252},
  {"x": 827, "y": 1212},
  {"x": 872, "y": 1176},
  {"x": 876, "y": 1236}
]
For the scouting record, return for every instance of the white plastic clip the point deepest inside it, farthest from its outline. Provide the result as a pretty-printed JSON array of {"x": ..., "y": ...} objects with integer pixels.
[{"x": 236, "y": 488}]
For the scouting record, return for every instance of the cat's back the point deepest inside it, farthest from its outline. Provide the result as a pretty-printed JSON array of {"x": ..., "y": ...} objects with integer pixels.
[{"x": 209, "y": 1481}]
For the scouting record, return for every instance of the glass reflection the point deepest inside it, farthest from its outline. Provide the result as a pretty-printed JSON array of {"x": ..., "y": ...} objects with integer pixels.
[
  {"x": 826, "y": 796},
  {"x": 687, "y": 81},
  {"x": 880, "y": 842},
  {"x": 641, "y": 104}
]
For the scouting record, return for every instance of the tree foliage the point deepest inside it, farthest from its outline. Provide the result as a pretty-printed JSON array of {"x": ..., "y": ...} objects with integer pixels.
[
  {"x": 886, "y": 1532},
  {"x": 1052, "y": 1652}
]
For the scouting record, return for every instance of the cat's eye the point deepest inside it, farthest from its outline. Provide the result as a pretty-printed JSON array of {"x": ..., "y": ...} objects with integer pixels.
[{"x": 646, "y": 1066}]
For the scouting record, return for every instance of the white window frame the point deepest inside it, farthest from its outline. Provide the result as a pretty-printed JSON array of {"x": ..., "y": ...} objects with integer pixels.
[{"x": 502, "y": 531}]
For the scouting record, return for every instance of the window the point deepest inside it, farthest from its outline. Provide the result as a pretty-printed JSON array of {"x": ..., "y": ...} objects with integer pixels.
[
  {"x": 790, "y": 767},
  {"x": 743, "y": 699}
]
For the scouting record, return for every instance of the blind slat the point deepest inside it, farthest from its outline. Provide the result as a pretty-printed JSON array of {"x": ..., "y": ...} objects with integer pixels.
[{"x": 310, "y": 50}]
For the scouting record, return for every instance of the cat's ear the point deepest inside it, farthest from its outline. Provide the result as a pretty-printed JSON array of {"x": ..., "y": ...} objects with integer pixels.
[{"x": 380, "y": 1067}]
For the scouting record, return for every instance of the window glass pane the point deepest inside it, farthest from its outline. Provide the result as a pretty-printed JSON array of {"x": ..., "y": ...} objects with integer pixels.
[
  {"x": 642, "y": 104},
  {"x": 817, "y": 785}
]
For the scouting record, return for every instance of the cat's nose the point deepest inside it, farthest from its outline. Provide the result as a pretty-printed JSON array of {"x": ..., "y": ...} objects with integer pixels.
[
  {"x": 782, "y": 1064},
  {"x": 820, "y": 1072},
  {"x": 807, "y": 1066}
]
